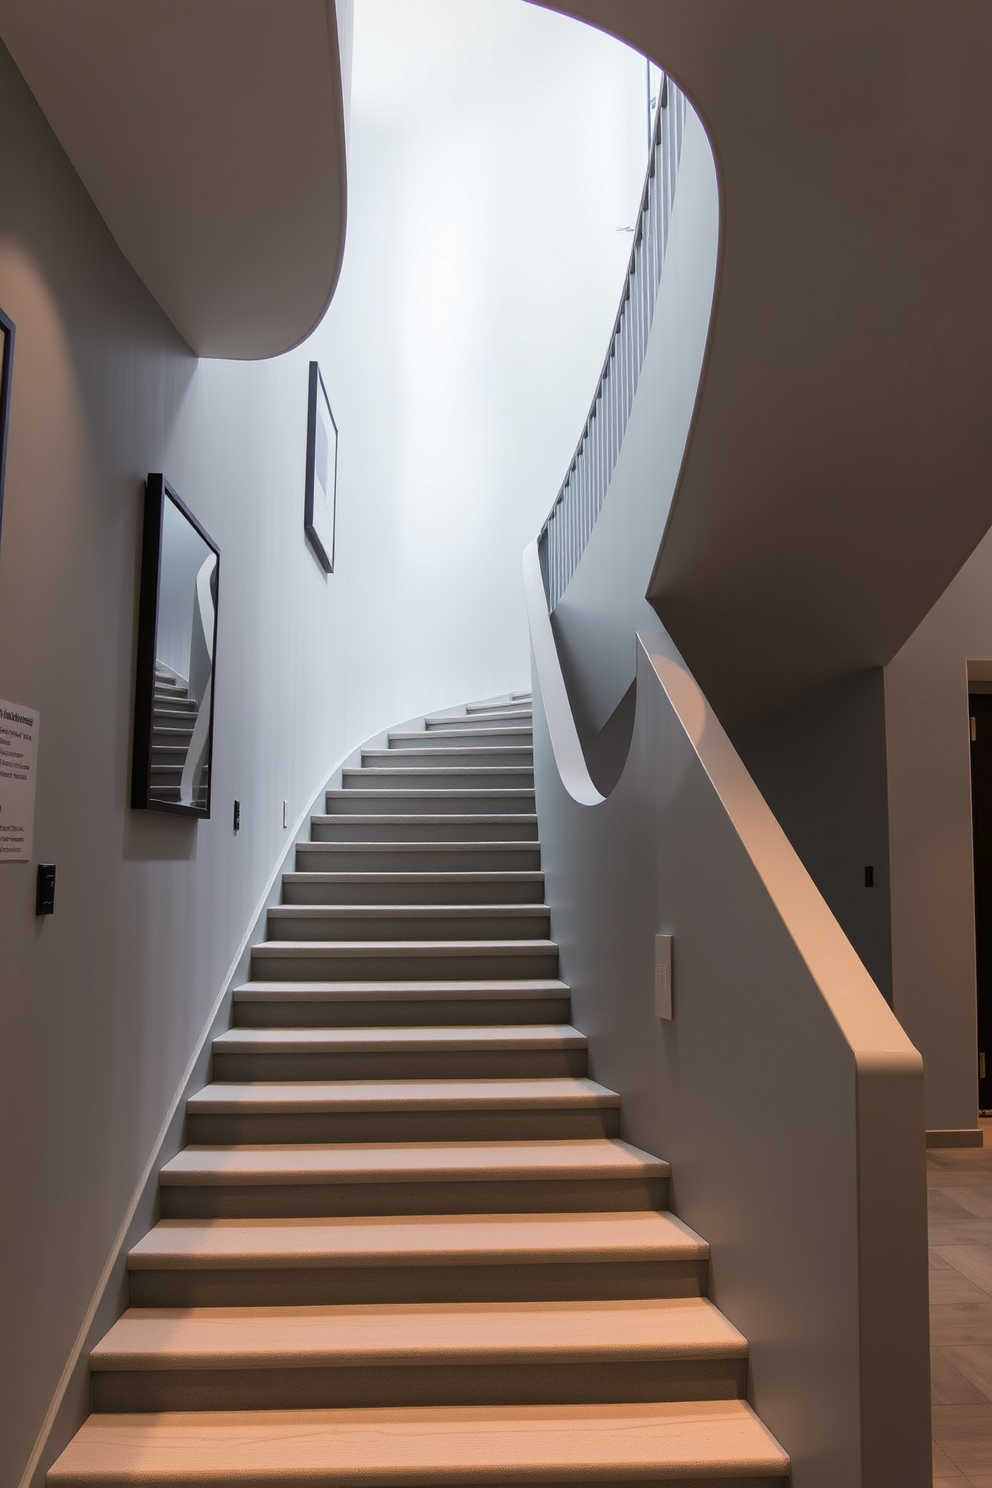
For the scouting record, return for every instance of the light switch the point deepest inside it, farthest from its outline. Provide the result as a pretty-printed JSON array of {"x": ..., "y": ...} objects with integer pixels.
[{"x": 663, "y": 1002}]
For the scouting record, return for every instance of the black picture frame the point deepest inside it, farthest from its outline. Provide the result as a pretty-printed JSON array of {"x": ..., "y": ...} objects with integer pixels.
[
  {"x": 320, "y": 506},
  {"x": 162, "y": 715},
  {"x": 7, "y": 331}
]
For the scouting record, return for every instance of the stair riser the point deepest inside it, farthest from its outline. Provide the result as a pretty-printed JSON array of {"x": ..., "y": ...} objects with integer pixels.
[
  {"x": 480, "y": 779},
  {"x": 285, "y": 1013},
  {"x": 488, "y": 1476},
  {"x": 417, "y": 800},
  {"x": 386, "y": 926},
  {"x": 379, "y": 964},
  {"x": 440, "y": 758},
  {"x": 500, "y": 736},
  {"x": 323, "y": 1200},
  {"x": 467, "y": 891},
  {"x": 510, "y": 718},
  {"x": 220, "y": 1129},
  {"x": 605, "y": 1281},
  {"x": 421, "y": 1384},
  {"x": 483, "y": 857},
  {"x": 512, "y": 828},
  {"x": 528, "y": 1064}
]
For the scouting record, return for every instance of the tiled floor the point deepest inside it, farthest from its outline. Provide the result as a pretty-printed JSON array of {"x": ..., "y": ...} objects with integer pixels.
[{"x": 960, "y": 1185}]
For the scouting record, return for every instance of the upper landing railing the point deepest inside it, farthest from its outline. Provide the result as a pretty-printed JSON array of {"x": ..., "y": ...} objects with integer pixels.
[{"x": 579, "y": 502}]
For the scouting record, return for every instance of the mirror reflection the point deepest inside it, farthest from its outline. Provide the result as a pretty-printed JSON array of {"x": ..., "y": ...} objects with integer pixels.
[
  {"x": 187, "y": 610},
  {"x": 177, "y": 637}
]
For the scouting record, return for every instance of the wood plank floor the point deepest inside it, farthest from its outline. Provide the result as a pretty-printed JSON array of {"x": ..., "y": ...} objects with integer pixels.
[{"x": 960, "y": 1190}]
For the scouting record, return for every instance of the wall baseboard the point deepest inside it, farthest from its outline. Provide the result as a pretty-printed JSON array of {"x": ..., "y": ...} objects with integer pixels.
[{"x": 957, "y": 1136}]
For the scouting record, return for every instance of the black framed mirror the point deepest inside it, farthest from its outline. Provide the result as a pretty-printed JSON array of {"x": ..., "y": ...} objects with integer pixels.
[{"x": 177, "y": 644}]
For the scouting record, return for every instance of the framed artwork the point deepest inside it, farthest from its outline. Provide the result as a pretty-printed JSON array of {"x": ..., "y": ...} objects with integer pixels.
[
  {"x": 322, "y": 472},
  {"x": 177, "y": 643},
  {"x": 6, "y": 368}
]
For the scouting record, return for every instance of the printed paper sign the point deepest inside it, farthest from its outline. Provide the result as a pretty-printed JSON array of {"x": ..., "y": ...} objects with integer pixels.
[{"x": 18, "y": 771}]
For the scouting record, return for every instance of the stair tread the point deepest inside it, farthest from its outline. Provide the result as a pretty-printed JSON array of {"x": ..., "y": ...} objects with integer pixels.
[
  {"x": 459, "y": 1333},
  {"x": 424, "y": 1445},
  {"x": 589, "y": 1157},
  {"x": 400, "y": 1040},
  {"x": 522, "y": 989},
  {"x": 572, "y": 1093},
  {"x": 433, "y": 772},
  {"x": 495, "y": 876},
  {"x": 401, "y": 756},
  {"x": 433, "y": 1240},
  {"x": 338, "y": 817},
  {"x": 407, "y": 911}
]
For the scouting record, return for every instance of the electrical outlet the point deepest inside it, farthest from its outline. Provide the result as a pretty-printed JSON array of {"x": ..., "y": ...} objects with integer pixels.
[{"x": 663, "y": 991}]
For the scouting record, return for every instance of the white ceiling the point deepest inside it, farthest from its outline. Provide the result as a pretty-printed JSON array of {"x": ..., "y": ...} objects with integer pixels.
[{"x": 210, "y": 135}]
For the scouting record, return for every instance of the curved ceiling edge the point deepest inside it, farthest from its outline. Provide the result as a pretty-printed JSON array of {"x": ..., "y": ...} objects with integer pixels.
[{"x": 210, "y": 135}]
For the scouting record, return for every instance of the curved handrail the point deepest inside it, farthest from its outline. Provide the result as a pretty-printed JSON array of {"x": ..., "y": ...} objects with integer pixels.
[
  {"x": 580, "y": 498},
  {"x": 565, "y": 743}
]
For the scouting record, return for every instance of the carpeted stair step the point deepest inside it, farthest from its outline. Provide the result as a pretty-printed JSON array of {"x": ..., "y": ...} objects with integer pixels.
[
  {"x": 506, "y": 1353},
  {"x": 493, "y": 1257},
  {"x": 492, "y": 1053},
  {"x": 411, "y": 1178}
]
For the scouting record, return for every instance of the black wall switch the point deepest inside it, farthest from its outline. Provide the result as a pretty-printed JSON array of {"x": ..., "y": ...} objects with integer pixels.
[
  {"x": 869, "y": 878},
  {"x": 45, "y": 901},
  {"x": 237, "y": 816}
]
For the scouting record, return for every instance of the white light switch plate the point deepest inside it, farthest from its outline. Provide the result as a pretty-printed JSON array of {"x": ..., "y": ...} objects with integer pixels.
[{"x": 663, "y": 1005}]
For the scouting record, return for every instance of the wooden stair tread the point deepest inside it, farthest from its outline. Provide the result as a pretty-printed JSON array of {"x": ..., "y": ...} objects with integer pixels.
[
  {"x": 383, "y": 1162},
  {"x": 454, "y": 1333},
  {"x": 399, "y": 1040},
  {"x": 422, "y": 1446},
  {"x": 433, "y": 1240},
  {"x": 390, "y": 1095},
  {"x": 525, "y": 990}
]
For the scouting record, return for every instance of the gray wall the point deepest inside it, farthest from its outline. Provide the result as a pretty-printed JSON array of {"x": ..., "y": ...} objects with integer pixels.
[
  {"x": 820, "y": 764},
  {"x": 933, "y": 910}
]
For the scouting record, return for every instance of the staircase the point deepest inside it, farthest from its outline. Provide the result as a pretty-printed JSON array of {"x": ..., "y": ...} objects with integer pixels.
[
  {"x": 406, "y": 1245},
  {"x": 174, "y": 718}
]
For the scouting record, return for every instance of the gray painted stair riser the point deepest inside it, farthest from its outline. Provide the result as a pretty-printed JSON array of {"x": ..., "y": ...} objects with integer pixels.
[
  {"x": 389, "y": 922},
  {"x": 233, "y": 1127},
  {"x": 448, "y": 755},
  {"x": 413, "y": 801},
  {"x": 440, "y": 777},
  {"x": 498, "y": 737},
  {"x": 418, "y": 857},
  {"x": 343, "y": 887},
  {"x": 430, "y": 828},
  {"x": 392, "y": 960},
  {"x": 275, "y": 1010},
  {"x": 425, "y": 1064}
]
